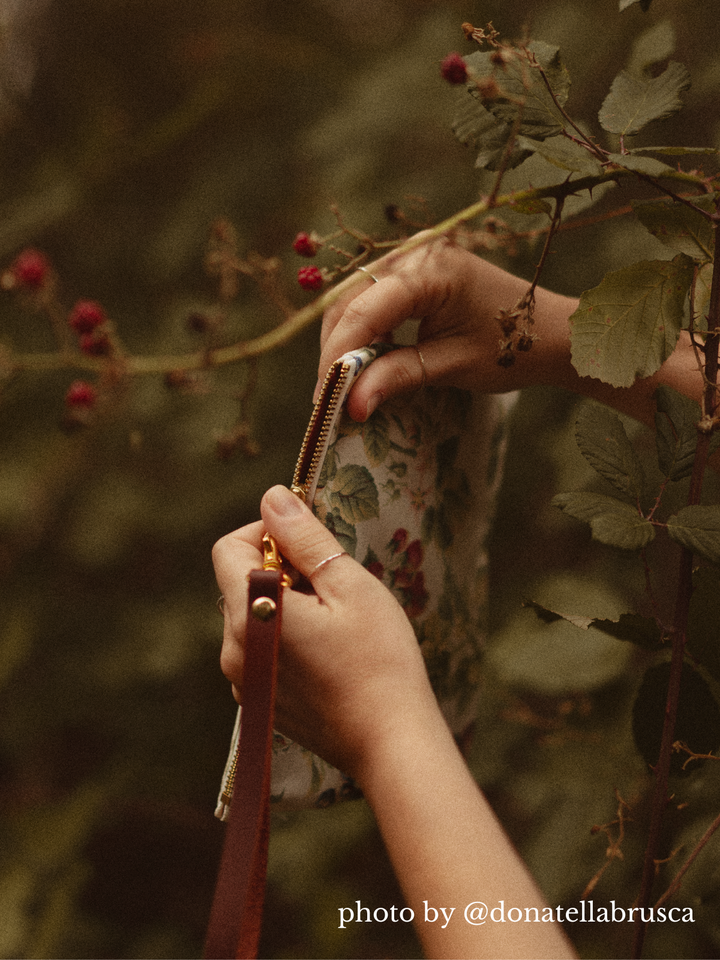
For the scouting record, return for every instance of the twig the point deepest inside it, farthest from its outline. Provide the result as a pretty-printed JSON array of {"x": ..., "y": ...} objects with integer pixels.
[{"x": 677, "y": 880}]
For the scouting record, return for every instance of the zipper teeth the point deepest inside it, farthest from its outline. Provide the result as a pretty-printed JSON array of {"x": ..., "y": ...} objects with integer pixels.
[
  {"x": 324, "y": 411},
  {"x": 230, "y": 782}
]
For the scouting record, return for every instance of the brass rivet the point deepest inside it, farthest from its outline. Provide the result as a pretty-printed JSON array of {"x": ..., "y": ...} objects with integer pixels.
[{"x": 264, "y": 609}]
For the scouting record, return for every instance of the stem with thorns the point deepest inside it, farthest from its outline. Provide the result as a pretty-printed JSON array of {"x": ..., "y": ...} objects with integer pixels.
[{"x": 682, "y": 610}]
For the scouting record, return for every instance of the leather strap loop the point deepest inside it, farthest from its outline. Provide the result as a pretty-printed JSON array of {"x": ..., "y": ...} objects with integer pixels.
[{"x": 236, "y": 916}]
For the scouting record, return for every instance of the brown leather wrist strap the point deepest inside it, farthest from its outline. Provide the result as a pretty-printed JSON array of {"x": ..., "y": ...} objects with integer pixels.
[{"x": 236, "y": 916}]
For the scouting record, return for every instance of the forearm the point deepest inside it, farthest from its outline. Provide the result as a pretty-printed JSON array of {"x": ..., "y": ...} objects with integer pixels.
[{"x": 448, "y": 848}]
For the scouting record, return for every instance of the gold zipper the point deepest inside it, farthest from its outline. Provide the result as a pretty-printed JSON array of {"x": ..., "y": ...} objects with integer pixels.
[
  {"x": 308, "y": 464},
  {"x": 316, "y": 435}
]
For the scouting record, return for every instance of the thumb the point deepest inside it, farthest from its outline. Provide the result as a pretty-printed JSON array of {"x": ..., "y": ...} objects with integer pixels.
[{"x": 301, "y": 537}]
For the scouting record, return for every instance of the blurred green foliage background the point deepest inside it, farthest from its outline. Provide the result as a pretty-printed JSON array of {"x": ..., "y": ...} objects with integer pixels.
[{"x": 145, "y": 122}]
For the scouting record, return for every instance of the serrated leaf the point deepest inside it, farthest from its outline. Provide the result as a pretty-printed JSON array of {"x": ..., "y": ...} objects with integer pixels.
[
  {"x": 639, "y": 164},
  {"x": 676, "y": 432},
  {"x": 521, "y": 83},
  {"x": 474, "y": 126},
  {"x": 563, "y": 153},
  {"x": 634, "y": 102},
  {"x": 628, "y": 325},
  {"x": 678, "y": 226},
  {"x": 606, "y": 446},
  {"x": 698, "y": 529},
  {"x": 629, "y": 627},
  {"x": 353, "y": 494},
  {"x": 612, "y": 522},
  {"x": 632, "y": 628},
  {"x": 701, "y": 300}
]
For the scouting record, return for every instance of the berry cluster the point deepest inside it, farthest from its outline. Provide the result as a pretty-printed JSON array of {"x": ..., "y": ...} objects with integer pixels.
[
  {"x": 32, "y": 275},
  {"x": 89, "y": 321},
  {"x": 307, "y": 245}
]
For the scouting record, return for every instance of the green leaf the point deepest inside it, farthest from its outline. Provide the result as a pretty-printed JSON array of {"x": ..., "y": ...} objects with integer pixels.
[
  {"x": 678, "y": 226},
  {"x": 563, "y": 153},
  {"x": 701, "y": 300},
  {"x": 698, "y": 529},
  {"x": 639, "y": 164},
  {"x": 628, "y": 325},
  {"x": 676, "y": 432},
  {"x": 474, "y": 126},
  {"x": 629, "y": 627},
  {"x": 353, "y": 494},
  {"x": 634, "y": 102},
  {"x": 606, "y": 446},
  {"x": 612, "y": 522},
  {"x": 523, "y": 90}
]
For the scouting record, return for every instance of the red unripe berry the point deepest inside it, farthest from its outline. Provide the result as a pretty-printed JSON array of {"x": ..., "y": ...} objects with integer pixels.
[
  {"x": 453, "y": 69},
  {"x": 81, "y": 394},
  {"x": 310, "y": 278},
  {"x": 96, "y": 344},
  {"x": 305, "y": 246},
  {"x": 30, "y": 269},
  {"x": 86, "y": 315}
]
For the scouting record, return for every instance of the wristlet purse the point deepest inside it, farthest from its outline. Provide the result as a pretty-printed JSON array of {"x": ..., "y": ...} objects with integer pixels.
[{"x": 410, "y": 494}]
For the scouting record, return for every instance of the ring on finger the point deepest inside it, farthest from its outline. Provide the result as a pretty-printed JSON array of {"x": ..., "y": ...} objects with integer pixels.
[
  {"x": 342, "y": 553},
  {"x": 371, "y": 275},
  {"x": 423, "y": 377}
]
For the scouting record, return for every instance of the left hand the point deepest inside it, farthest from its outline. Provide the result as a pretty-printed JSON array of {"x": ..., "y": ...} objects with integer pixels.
[{"x": 349, "y": 662}]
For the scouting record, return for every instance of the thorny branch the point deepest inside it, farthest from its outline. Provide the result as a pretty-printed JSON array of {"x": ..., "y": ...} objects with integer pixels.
[{"x": 682, "y": 610}]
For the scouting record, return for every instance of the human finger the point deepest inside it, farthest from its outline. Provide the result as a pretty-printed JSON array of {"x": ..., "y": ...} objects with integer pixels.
[
  {"x": 306, "y": 543},
  {"x": 368, "y": 317},
  {"x": 234, "y": 556}
]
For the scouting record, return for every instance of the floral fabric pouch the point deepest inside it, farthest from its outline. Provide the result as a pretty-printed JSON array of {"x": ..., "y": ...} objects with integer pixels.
[{"x": 410, "y": 494}]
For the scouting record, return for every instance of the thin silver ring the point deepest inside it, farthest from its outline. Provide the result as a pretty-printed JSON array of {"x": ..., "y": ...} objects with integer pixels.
[
  {"x": 423, "y": 381},
  {"x": 342, "y": 553},
  {"x": 371, "y": 275}
]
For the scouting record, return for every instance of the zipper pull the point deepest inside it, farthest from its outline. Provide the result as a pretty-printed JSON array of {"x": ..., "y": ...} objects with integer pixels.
[{"x": 272, "y": 559}]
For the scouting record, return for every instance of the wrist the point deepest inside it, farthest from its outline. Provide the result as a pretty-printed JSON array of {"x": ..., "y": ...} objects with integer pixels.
[{"x": 408, "y": 737}]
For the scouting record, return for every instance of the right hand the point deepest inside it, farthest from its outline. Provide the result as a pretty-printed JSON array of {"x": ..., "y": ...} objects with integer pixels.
[{"x": 456, "y": 296}]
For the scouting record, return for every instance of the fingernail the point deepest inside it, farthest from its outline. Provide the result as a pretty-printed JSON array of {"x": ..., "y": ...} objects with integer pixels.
[
  {"x": 282, "y": 502},
  {"x": 316, "y": 392}
]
